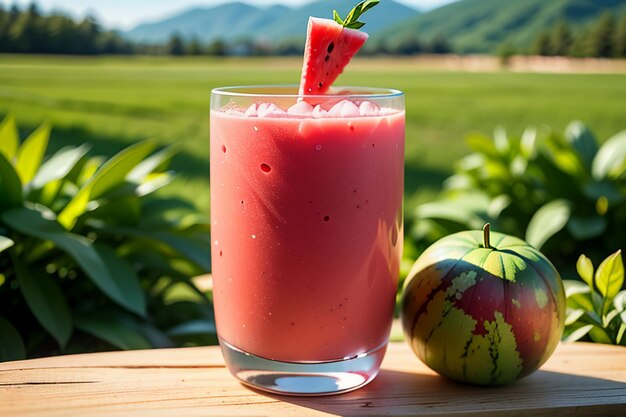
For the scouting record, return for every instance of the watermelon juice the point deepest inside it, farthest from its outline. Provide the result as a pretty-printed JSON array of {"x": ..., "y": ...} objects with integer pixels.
[{"x": 306, "y": 215}]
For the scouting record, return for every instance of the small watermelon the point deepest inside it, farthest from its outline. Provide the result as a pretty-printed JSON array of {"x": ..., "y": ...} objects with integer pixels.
[
  {"x": 483, "y": 314},
  {"x": 329, "y": 48}
]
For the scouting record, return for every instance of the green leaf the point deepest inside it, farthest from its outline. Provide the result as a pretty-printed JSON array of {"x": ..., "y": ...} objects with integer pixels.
[
  {"x": 109, "y": 176},
  {"x": 152, "y": 164},
  {"x": 583, "y": 228},
  {"x": 125, "y": 279},
  {"x": 609, "y": 278},
  {"x": 498, "y": 205},
  {"x": 620, "y": 301},
  {"x": 573, "y": 287},
  {"x": 575, "y": 333},
  {"x": 59, "y": 165},
  {"x": 547, "y": 221},
  {"x": 351, "y": 21},
  {"x": 152, "y": 183},
  {"x": 5, "y": 243},
  {"x": 582, "y": 141},
  {"x": 10, "y": 186},
  {"x": 112, "y": 329},
  {"x": 620, "y": 333},
  {"x": 527, "y": 145},
  {"x": 598, "y": 301},
  {"x": 355, "y": 25},
  {"x": 610, "y": 161},
  {"x": 469, "y": 210},
  {"x": 599, "y": 335},
  {"x": 11, "y": 344},
  {"x": 337, "y": 18},
  {"x": 9, "y": 137},
  {"x": 46, "y": 302},
  {"x": 573, "y": 316},
  {"x": 581, "y": 301},
  {"x": 194, "y": 249},
  {"x": 585, "y": 269},
  {"x": 606, "y": 320},
  {"x": 501, "y": 140},
  {"x": 483, "y": 144},
  {"x": 31, "y": 153},
  {"x": 34, "y": 223},
  {"x": 194, "y": 327}
]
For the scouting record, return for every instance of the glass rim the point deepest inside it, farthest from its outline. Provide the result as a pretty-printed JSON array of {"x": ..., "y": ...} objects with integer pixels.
[{"x": 360, "y": 92}]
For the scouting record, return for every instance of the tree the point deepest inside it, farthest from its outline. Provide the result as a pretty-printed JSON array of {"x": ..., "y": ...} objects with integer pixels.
[
  {"x": 4, "y": 29},
  {"x": 601, "y": 36},
  {"x": 194, "y": 47},
  {"x": 88, "y": 32},
  {"x": 541, "y": 44},
  {"x": 619, "y": 41},
  {"x": 561, "y": 40},
  {"x": 440, "y": 45},
  {"x": 27, "y": 32},
  {"x": 216, "y": 48},
  {"x": 411, "y": 44},
  {"x": 175, "y": 46}
]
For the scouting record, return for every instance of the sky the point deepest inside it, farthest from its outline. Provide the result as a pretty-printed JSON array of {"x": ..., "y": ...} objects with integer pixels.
[{"x": 125, "y": 14}]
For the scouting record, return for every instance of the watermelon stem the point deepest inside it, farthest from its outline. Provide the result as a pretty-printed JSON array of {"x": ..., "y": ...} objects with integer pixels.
[{"x": 486, "y": 232}]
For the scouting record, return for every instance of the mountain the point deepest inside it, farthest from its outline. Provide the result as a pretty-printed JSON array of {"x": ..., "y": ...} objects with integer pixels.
[
  {"x": 236, "y": 20},
  {"x": 475, "y": 26}
]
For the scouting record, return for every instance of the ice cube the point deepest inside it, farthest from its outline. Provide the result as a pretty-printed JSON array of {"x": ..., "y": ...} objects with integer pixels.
[
  {"x": 345, "y": 108},
  {"x": 301, "y": 108},
  {"x": 251, "y": 111},
  {"x": 270, "y": 110},
  {"x": 367, "y": 108},
  {"x": 318, "y": 111}
]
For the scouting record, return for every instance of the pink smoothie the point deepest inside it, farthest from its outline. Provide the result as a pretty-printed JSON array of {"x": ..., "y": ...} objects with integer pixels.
[{"x": 306, "y": 218}]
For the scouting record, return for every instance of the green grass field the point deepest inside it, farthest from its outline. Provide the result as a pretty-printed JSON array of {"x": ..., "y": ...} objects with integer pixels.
[{"x": 112, "y": 102}]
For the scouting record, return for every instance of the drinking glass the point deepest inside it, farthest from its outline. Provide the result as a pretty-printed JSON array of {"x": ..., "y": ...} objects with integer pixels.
[{"x": 307, "y": 233}]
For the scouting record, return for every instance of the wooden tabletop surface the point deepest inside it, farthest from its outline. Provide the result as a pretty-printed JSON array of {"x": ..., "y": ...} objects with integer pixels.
[{"x": 580, "y": 379}]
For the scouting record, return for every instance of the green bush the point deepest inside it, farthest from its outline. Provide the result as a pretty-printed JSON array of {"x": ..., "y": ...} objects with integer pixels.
[
  {"x": 563, "y": 193},
  {"x": 596, "y": 308},
  {"x": 90, "y": 257}
]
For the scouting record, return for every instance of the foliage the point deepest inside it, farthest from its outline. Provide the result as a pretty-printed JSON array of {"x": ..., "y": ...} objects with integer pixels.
[
  {"x": 30, "y": 31},
  {"x": 480, "y": 26},
  {"x": 90, "y": 257},
  {"x": 596, "y": 308},
  {"x": 561, "y": 192},
  {"x": 601, "y": 38}
]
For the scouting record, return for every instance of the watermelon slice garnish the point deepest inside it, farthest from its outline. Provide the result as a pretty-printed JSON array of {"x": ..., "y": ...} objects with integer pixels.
[{"x": 329, "y": 48}]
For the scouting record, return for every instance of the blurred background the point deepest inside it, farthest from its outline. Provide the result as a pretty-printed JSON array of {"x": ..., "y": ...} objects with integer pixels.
[{"x": 513, "y": 116}]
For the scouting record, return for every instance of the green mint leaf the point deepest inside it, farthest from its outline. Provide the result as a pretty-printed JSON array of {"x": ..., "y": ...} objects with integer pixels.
[
  {"x": 355, "y": 25},
  {"x": 585, "y": 269},
  {"x": 352, "y": 20},
  {"x": 337, "y": 18}
]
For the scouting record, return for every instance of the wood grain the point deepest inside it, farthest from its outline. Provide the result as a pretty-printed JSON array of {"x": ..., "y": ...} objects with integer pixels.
[{"x": 580, "y": 379}]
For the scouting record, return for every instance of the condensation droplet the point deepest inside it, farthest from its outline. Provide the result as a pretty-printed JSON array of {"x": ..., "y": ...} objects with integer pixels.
[
  {"x": 253, "y": 236},
  {"x": 256, "y": 129}
]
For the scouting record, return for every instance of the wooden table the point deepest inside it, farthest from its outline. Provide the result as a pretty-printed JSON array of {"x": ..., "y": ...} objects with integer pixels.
[{"x": 579, "y": 379}]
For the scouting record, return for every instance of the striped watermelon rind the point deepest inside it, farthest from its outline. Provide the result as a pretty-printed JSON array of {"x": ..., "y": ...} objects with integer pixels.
[{"x": 485, "y": 316}]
